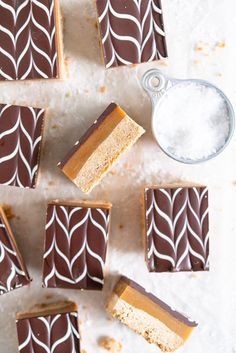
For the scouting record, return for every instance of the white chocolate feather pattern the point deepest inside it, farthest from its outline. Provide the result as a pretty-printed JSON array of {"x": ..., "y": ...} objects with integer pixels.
[
  {"x": 60, "y": 332},
  {"x": 176, "y": 231},
  {"x": 74, "y": 233},
  {"x": 19, "y": 152},
  {"x": 144, "y": 18},
  {"x": 14, "y": 275},
  {"x": 28, "y": 45}
]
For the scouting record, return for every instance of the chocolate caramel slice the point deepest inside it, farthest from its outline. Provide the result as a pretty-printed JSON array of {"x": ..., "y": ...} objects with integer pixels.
[
  {"x": 97, "y": 150},
  {"x": 13, "y": 272},
  {"x": 50, "y": 328},
  {"x": 31, "y": 40},
  {"x": 131, "y": 32},
  {"x": 21, "y": 134},
  {"x": 148, "y": 316},
  {"x": 176, "y": 228},
  {"x": 76, "y": 240}
]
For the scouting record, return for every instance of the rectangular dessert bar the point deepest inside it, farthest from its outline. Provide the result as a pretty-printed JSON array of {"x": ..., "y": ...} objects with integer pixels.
[
  {"x": 103, "y": 143},
  {"x": 176, "y": 232},
  {"x": 76, "y": 242},
  {"x": 31, "y": 40},
  {"x": 49, "y": 328},
  {"x": 21, "y": 132},
  {"x": 13, "y": 272},
  {"x": 148, "y": 316},
  {"x": 131, "y": 32}
]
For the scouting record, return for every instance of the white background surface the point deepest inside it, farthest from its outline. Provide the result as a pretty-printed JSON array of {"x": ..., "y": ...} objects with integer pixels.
[{"x": 209, "y": 298}]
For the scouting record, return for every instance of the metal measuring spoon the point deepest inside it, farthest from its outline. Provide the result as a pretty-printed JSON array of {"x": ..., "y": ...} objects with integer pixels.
[{"x": 156, "y": 84}]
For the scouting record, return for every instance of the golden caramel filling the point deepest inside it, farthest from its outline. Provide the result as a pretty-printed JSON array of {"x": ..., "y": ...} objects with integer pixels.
[
  {"x": 140, "y": 301},
  {"x": 77, "y": 161},
  {"x": 59, "y": 39},
  {"x": 48, "y": 309},
  {"x": 83, "y": 203}
]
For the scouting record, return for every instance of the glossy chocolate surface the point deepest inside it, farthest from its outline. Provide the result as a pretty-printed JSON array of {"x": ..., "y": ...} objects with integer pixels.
[
  {"x": 20, "y": 144},
  {"x": 177, "y": 229},
  {"x": 52, "y": 333},
  {"x": 75, "y": 246},
  {"x": 13, "y": 273},
  {"x": 28, "y": 40},
  {"x": 131, "y": 31}
]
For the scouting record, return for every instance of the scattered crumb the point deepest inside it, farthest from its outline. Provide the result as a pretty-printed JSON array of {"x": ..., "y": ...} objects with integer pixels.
[
  {"x": 103, "y": 89},
  {"x": 112, "y": 172},
  {"x": 234, "y": 182},
  {"x": 67, "y": 60},
  {"x": 163, "y": 62},
  {"x": 128, "y": 166},
  {"x": 110, "y": 344},
  {"x": 121, "y": 226},
  {"x": 219, "y": 74},
  {"x": 48, "y": 296},
  {"x": 89, "y": 19},
  {"x": 51, "y": 182},
  {"x": 67, "y": 65},
  {"x": 221, "y": 44},
  {"x": 68, "y": 94},
  {"x": 133, "y": 65},
  {"x": 83, "y": 351},
  {"x": 199, "y": 48},
  {"x": 96, "y": 25},
  {"x": 55, "y": 126},
  {"x": 193, "y": 275},
  {"x": 8, "y": 211}
]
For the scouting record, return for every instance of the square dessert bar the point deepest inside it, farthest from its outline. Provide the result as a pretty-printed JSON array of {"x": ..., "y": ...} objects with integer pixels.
[
  {"x": 76, "y": 244},
  {"x": 31, "y": 40},
  {"x": 148, "y": 316},
  {"x": 131, "y": 32},
  {"x": 176, "y": 231},
  {"x": 13, "y": 272},
  {"x": 49, "y": 328},
  {"x": 103, "y": 143},
  {"x": 21, "y": 132}
]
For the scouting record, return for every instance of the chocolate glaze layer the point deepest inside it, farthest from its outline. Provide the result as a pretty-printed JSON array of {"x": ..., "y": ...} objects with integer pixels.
[
  {"x": 159, "y": 302},
  {"x": 131, "y": 32},
  {"x": 177, "y": 229},
  {"x": 40, "y": 334},
  {"x": 13, "y": 273},
  {"x": 30, "y": 51},
  {"x": 87, "y": 134},
  {"x": 75, "y": 246},
  {"x": 20, "y": 144}
]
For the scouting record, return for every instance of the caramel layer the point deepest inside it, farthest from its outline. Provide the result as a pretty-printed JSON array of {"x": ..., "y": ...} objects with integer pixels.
[
  {"x": 142, "y": 302},
  {"x": 83, "y": 203},
  {"x": 182, "y": 184},
  {"x": 79, "y": 158},
  {"x": 59, "y": 40},
  {"x": 48, "y": 309}
]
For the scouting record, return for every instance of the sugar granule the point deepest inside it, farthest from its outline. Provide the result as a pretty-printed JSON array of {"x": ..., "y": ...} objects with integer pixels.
[{"x": 192, "y": 121}]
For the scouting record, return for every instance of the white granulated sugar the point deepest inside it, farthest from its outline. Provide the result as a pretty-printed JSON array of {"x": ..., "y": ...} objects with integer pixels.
[{"x": 192, "y": 121}]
